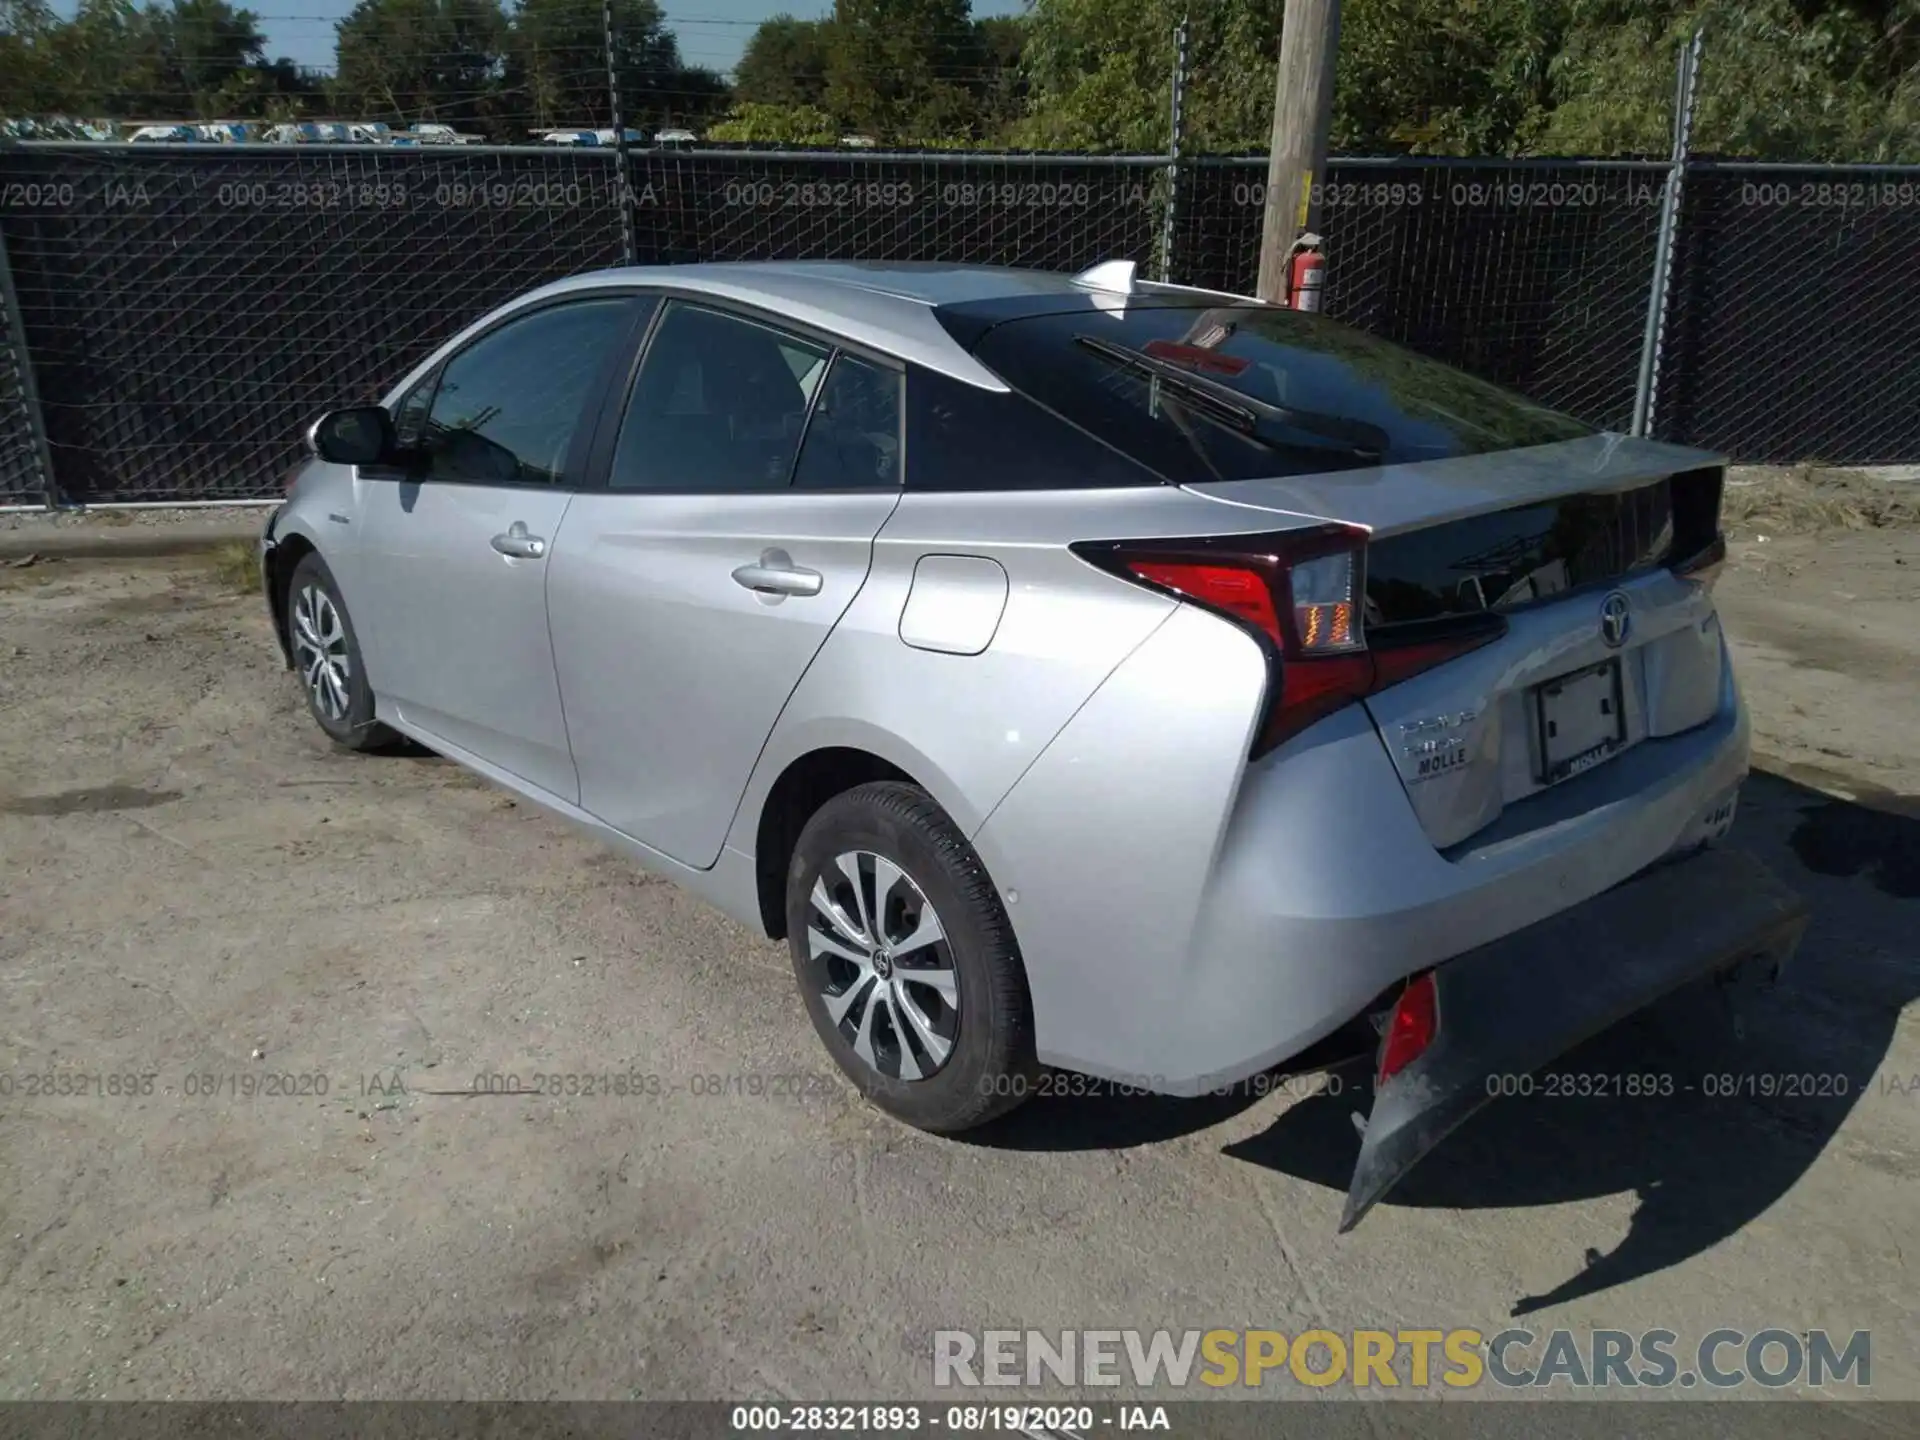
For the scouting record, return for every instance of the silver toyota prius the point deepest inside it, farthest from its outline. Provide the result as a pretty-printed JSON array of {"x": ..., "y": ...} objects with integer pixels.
[{"x": 1075, "y": 671}]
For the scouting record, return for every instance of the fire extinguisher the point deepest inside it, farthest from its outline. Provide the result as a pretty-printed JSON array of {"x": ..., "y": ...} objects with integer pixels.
[{"x": 1306, "y": 273}]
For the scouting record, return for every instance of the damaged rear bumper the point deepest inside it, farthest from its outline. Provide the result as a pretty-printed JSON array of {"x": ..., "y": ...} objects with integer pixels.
[{"x": 1518, "y": 1003}]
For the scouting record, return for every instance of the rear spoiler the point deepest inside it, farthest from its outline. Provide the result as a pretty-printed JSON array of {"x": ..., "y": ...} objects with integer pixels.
[{"x": 1386, "y": 499}]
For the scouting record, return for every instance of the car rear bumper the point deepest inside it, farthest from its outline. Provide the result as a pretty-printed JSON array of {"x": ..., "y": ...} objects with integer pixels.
[
  {"x": 1513, "y": 1006},
  {"x": 1189, "y": 919}
]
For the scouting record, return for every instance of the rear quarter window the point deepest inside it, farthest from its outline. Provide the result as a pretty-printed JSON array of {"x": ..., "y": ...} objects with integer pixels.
[{"x": 960, "y": 437}]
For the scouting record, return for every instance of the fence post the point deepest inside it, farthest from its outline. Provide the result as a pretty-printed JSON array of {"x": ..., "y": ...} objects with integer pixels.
[
  {"x": 623, "y": 188},
  {"x": 29, "y": 391},
  {"x": 1646, "y": 391},
  {"x": 1176, "y": 124}
]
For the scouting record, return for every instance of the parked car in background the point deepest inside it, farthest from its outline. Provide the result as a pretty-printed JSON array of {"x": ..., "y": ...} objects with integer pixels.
[
  {"x": 57, "y": 127},
  {"x": 328, "y": 132},
  {"x": 589, "y": 137},
  {"x": 187, "y": 132},
  {"x": 429, "y": 134},
  {"x": 1072, "y": 670},
  {"x": 676, "y": 137}
]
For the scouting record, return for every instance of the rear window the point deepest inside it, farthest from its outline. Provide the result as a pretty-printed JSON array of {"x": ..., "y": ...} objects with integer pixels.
[{"x": 1242, "y": 392}]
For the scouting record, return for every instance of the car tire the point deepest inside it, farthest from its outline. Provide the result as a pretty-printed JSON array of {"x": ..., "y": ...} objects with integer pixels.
[
  {"x": 326, "y": 657},
  {"x": 885, "y": 1006}
]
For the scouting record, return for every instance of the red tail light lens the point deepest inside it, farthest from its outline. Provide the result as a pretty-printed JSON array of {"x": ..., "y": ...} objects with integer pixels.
[
  {"x": 1303, "y": 593},
  {"x": 1239, "y": 591},
  {"x": 1411, "y": 1027}
]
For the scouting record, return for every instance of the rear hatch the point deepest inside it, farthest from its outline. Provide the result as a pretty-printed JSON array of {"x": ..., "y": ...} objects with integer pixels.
[
  {"x": 1585, "y": 550},
  {"x": 1610, "y": 640}
]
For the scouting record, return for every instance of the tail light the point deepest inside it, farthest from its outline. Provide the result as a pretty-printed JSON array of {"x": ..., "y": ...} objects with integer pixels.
[
  {"x": 1411, "y": 1027},
  {"x": 1302, "y": 594}
]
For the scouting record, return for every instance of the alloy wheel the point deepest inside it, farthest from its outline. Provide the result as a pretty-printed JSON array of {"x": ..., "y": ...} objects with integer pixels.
[
  {"x": 883, "y": 966},
  {"x": 320, "y": 652}
]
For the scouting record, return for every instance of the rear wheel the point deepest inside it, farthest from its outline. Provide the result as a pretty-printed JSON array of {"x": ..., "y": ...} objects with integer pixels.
[
  {"x": 906, "y": 960},
  {"x": 326, "y": 655}
]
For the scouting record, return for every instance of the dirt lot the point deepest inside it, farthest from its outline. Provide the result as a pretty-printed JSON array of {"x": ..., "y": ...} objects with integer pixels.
[{"x": 194, "y": 887}]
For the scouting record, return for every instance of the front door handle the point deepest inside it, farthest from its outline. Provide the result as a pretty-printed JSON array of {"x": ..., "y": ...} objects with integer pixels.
[
  {"x": 519, "y": 545},
  {"x": 776, "y": 574}
]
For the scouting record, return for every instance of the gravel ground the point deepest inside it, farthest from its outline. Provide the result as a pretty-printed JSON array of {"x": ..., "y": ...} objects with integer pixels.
[
  {"x": 29, "y": 521},
  {"x": 196, "y": 888}
]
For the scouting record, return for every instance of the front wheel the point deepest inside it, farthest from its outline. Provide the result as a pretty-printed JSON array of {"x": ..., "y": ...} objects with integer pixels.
[
  {"x": 906, "y": 960},
  {"x": 326, "y": 653}
]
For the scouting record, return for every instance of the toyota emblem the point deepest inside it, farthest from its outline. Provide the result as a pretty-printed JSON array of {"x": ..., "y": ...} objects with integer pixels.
[{"x": 1615, "y": 622}]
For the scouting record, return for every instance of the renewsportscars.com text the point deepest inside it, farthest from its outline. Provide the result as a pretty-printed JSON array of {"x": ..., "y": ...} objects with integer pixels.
[{"x": 1771, "y": 1358}]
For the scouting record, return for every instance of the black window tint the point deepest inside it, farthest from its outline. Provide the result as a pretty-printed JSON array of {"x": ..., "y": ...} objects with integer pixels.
[
  {"x": 719, "y": 405},
  {"x": 853, "y": 439},
  {"x": 960, "y": 437},
  {"x": 1234, "y": 392},
  {"x": 508, "y": 405}
]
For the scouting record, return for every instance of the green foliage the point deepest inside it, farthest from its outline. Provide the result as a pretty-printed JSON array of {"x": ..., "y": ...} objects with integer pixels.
[
  {"x": 753, "y": 123},
  {"x": 191, "y": 58},
  {"x": 1781, "y": 79},
  {"x": 556, "y": 68},
  {"x": 785, "y": 64},
  {"x": 419, "y": 59},
  {"x": 1778, "y": 80},
  {"x": 893, "y": 65}
]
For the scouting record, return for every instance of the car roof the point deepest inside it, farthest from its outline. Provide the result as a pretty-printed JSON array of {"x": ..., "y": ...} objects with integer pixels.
[{"x": 894, "y": 307}]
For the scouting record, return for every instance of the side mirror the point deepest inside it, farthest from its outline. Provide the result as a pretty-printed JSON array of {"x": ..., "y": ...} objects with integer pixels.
[{"x": 357, "y": 435}]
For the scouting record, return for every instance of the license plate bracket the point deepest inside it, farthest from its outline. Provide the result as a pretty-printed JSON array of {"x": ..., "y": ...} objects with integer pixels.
[{"x": 1579, "y": 720}]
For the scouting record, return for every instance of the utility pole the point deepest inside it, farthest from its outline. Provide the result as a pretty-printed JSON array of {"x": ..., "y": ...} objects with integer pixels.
[{"x": 1302, "y": 113}]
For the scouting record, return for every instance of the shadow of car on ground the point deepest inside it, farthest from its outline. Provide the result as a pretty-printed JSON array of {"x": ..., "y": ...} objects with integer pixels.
[{"x": 1741, "y": 1120}]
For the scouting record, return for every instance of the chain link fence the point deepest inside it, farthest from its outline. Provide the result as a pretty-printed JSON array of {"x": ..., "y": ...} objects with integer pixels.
[
  {"x": 24, "y": 477},
  {"x": 1531, "y": 274},
  {"x": 1795, "y": 332},
  {"x": 187, "y": 312}
]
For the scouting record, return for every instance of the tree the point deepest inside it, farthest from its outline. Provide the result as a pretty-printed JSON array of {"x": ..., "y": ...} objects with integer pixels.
[
  {"x": 1781, "y": 79},
  {"x": 785, "y": 63},
  {"x": 556, "y": 69},
  {"x": 1100, "y": 73},
  {"x": 412, "y": 60},
  {"x": 206, "y": 56},
  {"x": 756, "y": 124},
  {"x": 28, "y": 85},
  {"x": 896, "y": 69},
  {"x": 1000, "y": 93},
  {"x": 1778, "y": 80}
]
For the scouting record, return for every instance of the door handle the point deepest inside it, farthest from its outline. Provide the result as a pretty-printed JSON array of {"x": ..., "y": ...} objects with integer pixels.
[
  {"x": 776, "y": 574},
  {"x": 519, "y": 545}
]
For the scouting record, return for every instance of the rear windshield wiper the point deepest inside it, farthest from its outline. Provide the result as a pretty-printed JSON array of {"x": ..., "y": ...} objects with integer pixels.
[{"x": 1239, "y": 411}]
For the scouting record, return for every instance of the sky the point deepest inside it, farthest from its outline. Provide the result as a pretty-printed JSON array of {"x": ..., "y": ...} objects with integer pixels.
[{"x": 712, "y": 32}]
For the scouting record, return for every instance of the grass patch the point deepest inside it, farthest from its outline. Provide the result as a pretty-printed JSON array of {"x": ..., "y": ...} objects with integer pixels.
[
  {"x": 234, "y": 566},
  {"x": 1805, "y": 500}
]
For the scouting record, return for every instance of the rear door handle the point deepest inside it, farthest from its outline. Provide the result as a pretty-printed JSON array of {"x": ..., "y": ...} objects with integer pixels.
[
  {"x": 776, "y": 574},
  {"x": 519, "y": 545}
]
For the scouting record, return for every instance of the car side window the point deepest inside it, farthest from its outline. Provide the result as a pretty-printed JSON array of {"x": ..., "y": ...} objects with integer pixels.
[
  {"x": 718, "y": 407},
  {"x": 960, "y": 437},
  {"x": 507, "y": 406},
  {"x": 853, "y": 439}
]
